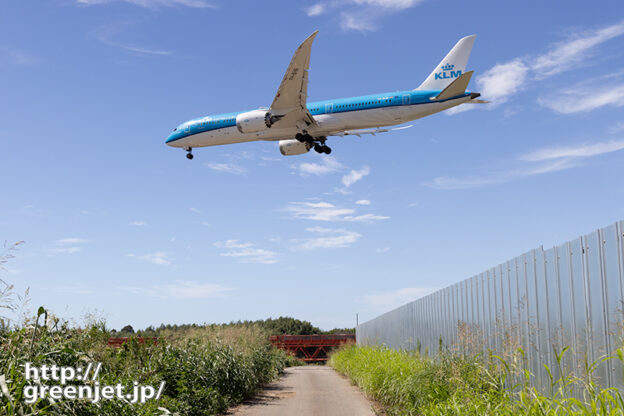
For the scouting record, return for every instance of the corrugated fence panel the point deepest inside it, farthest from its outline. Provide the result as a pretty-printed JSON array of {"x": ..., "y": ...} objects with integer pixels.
[{"x": 571, "y": 295}]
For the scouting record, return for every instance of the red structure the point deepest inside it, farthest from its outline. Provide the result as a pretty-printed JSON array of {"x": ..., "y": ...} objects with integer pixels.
[
  {"x": 310, "y": 348},
  {"x": 118, "y": 342}
]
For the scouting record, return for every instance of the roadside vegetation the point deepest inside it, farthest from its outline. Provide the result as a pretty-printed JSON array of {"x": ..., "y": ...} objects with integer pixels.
[
  {"x": 205, "y": 371},
  {"x": 206, "y": 368},
  {"x": 407, "y": 383}
]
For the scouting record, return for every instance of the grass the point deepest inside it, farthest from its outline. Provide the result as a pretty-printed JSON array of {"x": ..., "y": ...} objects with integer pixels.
[
  {"x": 406, "y": 383},
  {"x": 206, "y": 370}
]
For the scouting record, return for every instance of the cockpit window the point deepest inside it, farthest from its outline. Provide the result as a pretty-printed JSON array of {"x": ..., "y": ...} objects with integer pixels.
[{"x": 175, "y": 129}]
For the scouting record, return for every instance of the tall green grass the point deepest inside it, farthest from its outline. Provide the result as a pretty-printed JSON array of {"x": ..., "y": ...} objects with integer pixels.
[
  {"x": 205, "y": 370},
  {"x": 406, "y": 383}
]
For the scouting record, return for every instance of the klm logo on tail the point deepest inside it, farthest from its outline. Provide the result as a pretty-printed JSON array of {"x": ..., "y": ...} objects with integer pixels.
[{"x": 447, "y": 72}]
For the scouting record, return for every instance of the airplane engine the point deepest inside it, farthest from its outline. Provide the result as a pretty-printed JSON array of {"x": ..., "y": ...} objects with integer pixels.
[
  {"x": 293, "y": 147},
  {"x": 255, "y": 121}
]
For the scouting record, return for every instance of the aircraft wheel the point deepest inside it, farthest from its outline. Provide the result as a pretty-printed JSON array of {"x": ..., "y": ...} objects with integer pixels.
[
  {"x": 300, "y": 137},
  {"x": 326, "y": 150},
  {"x": 189, "y": 156},
  {"x": 318, "y": 148}
]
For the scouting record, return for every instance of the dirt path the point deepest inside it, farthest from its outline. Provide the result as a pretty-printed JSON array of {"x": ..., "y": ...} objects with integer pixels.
[{"x": 307, "y": 391}]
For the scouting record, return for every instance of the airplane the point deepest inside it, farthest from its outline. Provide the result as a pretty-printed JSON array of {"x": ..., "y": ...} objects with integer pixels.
[{"x": 300, "y": 126}]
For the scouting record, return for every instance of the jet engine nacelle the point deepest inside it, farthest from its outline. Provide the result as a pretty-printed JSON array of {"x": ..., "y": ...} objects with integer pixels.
[
  {"x": 252, "y": 121},
  {"x": 255, "y": 121},
  {"x": 293, "y": 147}
]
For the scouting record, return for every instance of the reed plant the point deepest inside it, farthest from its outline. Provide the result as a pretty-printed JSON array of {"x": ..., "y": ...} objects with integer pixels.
[
  {"x": 205, "y": 371},
  {"x": 451, "y": 383}
]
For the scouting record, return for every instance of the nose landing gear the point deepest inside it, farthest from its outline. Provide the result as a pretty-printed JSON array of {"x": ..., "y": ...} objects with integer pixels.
[
  {"x": 189, "y": 155},
  {"x": 318, "y": 143}
]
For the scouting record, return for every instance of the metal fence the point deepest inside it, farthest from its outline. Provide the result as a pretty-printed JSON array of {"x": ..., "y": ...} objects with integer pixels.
[{"x": 571, "y": 295}]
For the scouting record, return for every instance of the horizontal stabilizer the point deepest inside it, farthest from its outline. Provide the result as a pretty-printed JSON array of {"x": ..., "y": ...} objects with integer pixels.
[
  {"x": 455, "y": 88},
  {"x": 368, "y": 131}
]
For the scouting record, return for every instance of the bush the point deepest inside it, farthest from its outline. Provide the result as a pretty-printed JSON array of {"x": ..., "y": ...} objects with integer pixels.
[
  {"x": 205, "y": 370},
  {"x": 406, "y": 383}
]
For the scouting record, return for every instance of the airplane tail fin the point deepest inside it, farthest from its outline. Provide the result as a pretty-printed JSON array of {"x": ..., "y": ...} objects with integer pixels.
[{"x": 451, "y": 67}]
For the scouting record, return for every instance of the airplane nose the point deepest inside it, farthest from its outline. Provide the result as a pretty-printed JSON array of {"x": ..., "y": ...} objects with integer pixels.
[{"x": 170, "y": 140}]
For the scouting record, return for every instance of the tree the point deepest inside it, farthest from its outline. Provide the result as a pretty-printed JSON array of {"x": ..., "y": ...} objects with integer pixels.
[{"x": 127, "y": 330}]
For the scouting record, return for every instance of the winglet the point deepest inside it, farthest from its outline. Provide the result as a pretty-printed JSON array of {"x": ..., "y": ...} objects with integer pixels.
[{"x": 455, "y": 88}]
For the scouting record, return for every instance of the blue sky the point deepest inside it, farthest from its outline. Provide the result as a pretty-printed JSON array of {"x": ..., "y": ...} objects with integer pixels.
[{"x": 120, "y": 225}]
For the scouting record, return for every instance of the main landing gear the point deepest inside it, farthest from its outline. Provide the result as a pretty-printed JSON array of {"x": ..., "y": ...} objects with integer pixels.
[
  {"x": 318, "y": 143},
  {"x": 189, "y": 155}
]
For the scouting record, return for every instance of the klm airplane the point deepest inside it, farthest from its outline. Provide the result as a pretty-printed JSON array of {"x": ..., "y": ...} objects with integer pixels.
[{"x": 300, "y": 126}]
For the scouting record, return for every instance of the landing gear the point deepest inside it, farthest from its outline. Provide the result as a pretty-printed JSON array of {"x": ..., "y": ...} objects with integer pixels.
[
  {"x": 321, "y": 148},
  {"x": 189, "y": 155},
  {"x": 318, "y": 143}
]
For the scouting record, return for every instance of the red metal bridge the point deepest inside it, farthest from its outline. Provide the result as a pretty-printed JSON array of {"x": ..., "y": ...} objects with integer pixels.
[{"x": 310, "y": 348}]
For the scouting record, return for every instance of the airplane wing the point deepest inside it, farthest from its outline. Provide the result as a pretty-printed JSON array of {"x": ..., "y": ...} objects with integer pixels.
[
  {"x": 289, "y": 104},
  {"x": 368, "y": 131}
]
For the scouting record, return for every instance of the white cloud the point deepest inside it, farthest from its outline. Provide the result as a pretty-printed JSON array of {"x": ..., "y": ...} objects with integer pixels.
[
  {"x": 583, "y": 150},
  {"x": 363, "y": 202},
  {"x": 389, "y": 4},
  {"x": 579, "y": 100},
  {"x": 502, "y": 80},
  {"x": 138, "y": 223},
  {"x": 572, "y": 50},
  {"x": 246, "y": 252},
  {"x": 68, "y": 245},
  {"x": 71, "y": 240},
  {"x": 181, "y": 289},
  {"x": 315, "y": 10},
  {"x": 383, "y": 250},
  {"x": 107, "y": 34},
  {"x": 451, "y": 183},
  {"x": 392, "y": 300},
  {"x": 153, "y": 4},
  {"x": 195, "y": 210},
  {"x": 325, "y": 211},
  {"x": 17, "y": 57},
  {"x": 541, "y": 161},
  {"x": 227, "y": 168},
  {"x": 617, "y": 127},
  {"x": 365, "y": 218},
  {"x": 354, "y": 176},
  {"x": 317, "y": 211},
  {"x": 161, "y": 258},
  {"x": 359, "y": 21},
  {"x": 329, "y": 238},
  {"x": 328, "y": 165},
  {"x": 360, "y": 15}
]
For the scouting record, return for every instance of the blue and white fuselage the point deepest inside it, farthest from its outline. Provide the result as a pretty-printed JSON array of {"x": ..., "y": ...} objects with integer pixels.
[{"x": 300, "y": 126}]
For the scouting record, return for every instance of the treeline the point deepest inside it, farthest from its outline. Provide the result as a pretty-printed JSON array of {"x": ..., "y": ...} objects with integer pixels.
[{"x": 279, "y": 326}]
